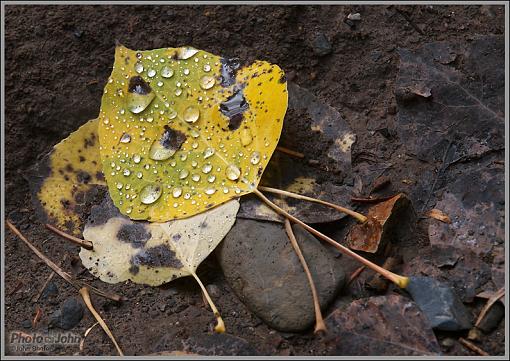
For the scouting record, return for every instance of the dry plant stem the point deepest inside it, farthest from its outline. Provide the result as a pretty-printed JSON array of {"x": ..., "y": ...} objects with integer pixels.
[
  {"x": 290, "y": 152},
  {"x": 361, "y": 218},
  {"x": 38, "y": 295},
  {"x": 82, "y": 342},
  {"x": 66, "y": 276},
  {"x": 473, "y": 347},
  {"x": 220, "y": 326},
  {"x": 400, "y": 281},
  {"x": 84, "y": 292},
  {"x": 80, "y": 242},
  {"x": 494, "y": 298},
  {"x": 355, "y": 274},
  {"x": 320, "y": 326}
]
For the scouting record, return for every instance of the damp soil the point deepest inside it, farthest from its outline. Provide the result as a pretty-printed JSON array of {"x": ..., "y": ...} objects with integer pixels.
[{"x": 57, "y": 60}]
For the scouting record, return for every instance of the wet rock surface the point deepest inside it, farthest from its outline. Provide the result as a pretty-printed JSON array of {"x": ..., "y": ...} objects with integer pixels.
[
  {"x": 258, "y": 261},
  {"x": 440, "y": 304},
  {"x": 385, "y": 325}
]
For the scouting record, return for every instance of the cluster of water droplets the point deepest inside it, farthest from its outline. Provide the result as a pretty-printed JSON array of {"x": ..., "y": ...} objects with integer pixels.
[{"x": 165, "y": 80}]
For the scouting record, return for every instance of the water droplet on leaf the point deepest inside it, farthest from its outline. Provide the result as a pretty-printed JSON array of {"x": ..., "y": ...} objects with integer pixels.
[{"x": 150, "y": 193}]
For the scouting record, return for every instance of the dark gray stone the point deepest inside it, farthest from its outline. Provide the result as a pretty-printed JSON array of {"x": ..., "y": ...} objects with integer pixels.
[
  {"x": 69, "y": 314},
  {"x": 492, "y": 318},
  {"x": 440, "y": 304},
  {"x": 259, "y": 263},
  {"x": 321, "y": 45}
]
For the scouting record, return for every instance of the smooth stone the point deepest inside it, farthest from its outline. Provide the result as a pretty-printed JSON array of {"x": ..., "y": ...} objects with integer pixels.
[
  {"x": 69, "y": 314},
  {"x": 261, "y": 266},
  {"x": 439, "y": 302}
]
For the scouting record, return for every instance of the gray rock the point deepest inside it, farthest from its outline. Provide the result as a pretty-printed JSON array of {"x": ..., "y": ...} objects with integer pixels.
[
  {"x": 440, "y": 304},
  {"x": 259, "y": 263},
  {"x": 69, "y": 314},
  {"x": 492, "y": 318},
  {"x": 321, "y": 45}
]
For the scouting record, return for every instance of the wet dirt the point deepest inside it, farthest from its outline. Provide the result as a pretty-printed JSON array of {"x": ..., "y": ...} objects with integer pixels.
[{"x": 58, "y": 59}]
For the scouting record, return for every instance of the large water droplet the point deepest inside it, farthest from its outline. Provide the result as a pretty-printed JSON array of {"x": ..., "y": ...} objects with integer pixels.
[
  {"x": 210, "y": 191},
  {"x": 208, "y": 152},
  {"x": 140, "y": 95},
  {"x": 195, "y": 177},
  {"x": 126, "y": 138},
  {"x": 191, "y": 114},
  {"x": 139, "y": 67},
  {"x": 207, "y": 68},
  {"x": 233, "y": 108},
  {"x": 151, "y": 73},
  {"x": 177, "y": 192},
  {"x": 255, "y": 158},
  {"x": 127, "y": 172},
  {"x": 186, "y": 53},
  {"x": 211, "y": 178},
  {"x": 207, "y": 82},
  {"x": 150, "y": 193},
  {"x": 183, "y": 174},
  {"x": 207, "y": 168},
  {"x": 169, "y": 143},
  {"x": 232, "y": 172},
  {"x": 167, "y": 72},
  {"x": 178, "y": 91},
  {"x": 246, "y": 137},
  {"x": 139, "y": 175},
  {"x": 186, "y": 71},
  {"x": 137, "y": 158}
]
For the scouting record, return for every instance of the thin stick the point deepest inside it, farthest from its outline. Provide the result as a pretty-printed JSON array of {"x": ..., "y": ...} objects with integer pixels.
[
  {"x": 320, "y": 326},
  {"x": 361, "y": 218},
  {"x": 371, "y": 200},
  {"x": 355, "y": 274},
  {"x": 400, "y": 281},
  {"x": 82, "y": 342},
  {"x": 473, "y": 347},
  {"x": 80, "y": 242},
  {"x": 66, "y": 276},
  {"x": 84, "y": 292},
  {"x": 50, "y": 277},
  {"x": 220, "y": 326},
  {"x": 492, "y": 300},
  {"x": 290, "y": 152}
]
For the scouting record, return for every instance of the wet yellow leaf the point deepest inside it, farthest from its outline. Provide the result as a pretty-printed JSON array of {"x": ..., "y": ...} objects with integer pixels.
[
  {"x": 65, "y": 181},
  {"x": 182, "y": 130}
]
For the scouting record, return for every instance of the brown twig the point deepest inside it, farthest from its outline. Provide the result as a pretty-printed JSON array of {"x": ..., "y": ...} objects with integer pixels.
[
  {"x": 290, "y": 152},
  {"x": 400, "y": 281},
  {"x": 371, "y": 200},
  {"x": 66, "y": 276},
  {"x": 80, "y": 242},
  {"x": 361, "y": 218},
  {"x": 320, "y": 326},
  {"x": 472, "y": 347},
  {"x": 37, "y": 317},
  {"x": 355, "y": 274},
  {"x": 220, "y": 325},
  {"x": 84, "y": 292},
  {"x": 492, "y": 300}
]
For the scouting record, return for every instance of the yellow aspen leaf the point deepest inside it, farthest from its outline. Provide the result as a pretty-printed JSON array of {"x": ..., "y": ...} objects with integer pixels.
[
  {"x": 190, "y": 130},
  {"x": 65, "y": 181}
]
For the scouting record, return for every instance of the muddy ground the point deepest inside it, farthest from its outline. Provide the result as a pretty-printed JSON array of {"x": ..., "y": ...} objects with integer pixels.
[{"x": 58, "y": 59}]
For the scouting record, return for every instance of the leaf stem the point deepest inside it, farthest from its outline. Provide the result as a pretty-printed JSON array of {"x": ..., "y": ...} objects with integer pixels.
[
  {"x": 361, "y": 218},
  {"x": 80, "y": 242},
  {"x": 84, "y": 292},
  {"x": 290, "y": 152},
  {"x": 320, "y": 326},
  {"x": 400, "y": 281},
  {"x": 220, "y": 326}
]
